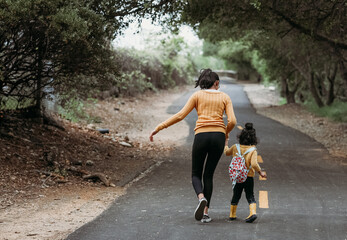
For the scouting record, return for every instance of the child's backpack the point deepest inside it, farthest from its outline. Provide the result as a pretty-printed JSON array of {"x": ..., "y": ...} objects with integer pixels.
[{"x": 237, "y": 169}]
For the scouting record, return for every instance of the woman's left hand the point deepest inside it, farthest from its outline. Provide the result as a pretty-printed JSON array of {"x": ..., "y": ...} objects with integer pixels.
[
  {"x": 152, "y": 134},
  {"x": 263, "y": 174}
]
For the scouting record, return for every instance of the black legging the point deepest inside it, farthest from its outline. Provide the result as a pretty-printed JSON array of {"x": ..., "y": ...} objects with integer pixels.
[
  {"x": 248, "y": 185},
  {"x": 210, "y": 144}
]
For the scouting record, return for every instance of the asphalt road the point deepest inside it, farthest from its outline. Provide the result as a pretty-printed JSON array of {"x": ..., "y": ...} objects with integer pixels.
[{"x": 306, "y": 190}]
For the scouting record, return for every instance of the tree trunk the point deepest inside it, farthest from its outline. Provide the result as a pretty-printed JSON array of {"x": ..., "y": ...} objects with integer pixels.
[
  {"x": 344, "y": 74},
  {"x": 331, "y": 95},
  {"x": 310, "y": 79},
  {"x": 331, "y": 79},
  {"x": 38, "y": 95},
  {"x": 289, "y": 95},
  {"x": 322, "y": 91},
  {"x": 39, "y": 70},
  {"x": 284, "y": 86},
  {"x": 314, "y": 92}
]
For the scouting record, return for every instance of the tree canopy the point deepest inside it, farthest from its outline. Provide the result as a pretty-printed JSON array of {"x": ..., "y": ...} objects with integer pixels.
[
  {"x": 300, "y": 44},
  {"x": 52, "y": 41}
]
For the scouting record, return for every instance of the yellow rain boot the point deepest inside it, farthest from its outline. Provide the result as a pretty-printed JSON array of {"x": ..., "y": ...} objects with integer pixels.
[
  {"x": 232, "y": 215},
  {"x": 252, "y": 213}
]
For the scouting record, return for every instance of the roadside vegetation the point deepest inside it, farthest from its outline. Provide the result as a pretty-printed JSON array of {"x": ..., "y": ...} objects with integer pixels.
[
  {"x": 62, "y": 50},
  {"x": 299, "y": 46}
]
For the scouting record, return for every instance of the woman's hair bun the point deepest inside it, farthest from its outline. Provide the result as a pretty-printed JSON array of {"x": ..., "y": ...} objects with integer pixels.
[{"x": 249, "y": 126}]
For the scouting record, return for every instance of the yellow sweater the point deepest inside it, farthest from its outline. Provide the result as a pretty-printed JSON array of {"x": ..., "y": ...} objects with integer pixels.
[
  {"x": 210, "y": 106},
  {"x": 250, "y": 158}
]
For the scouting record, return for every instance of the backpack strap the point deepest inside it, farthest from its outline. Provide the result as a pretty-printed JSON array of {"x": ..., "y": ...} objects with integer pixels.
[
  {"x": 238, "y": 149},
  {"x": 248, "y": 151}
]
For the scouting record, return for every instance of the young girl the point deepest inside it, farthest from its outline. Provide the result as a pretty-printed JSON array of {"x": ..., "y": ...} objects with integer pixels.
[{"x": 247, "y": 139}]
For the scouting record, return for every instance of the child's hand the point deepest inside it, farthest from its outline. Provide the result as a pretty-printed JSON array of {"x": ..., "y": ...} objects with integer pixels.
[{"x": 262, "y": 174}]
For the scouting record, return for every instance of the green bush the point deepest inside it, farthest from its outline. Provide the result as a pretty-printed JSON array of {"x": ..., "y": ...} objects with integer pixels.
[
  {"x": 73, "y": 109},
  {"x": 134, "y": 82},
  {"x": 283, "y": 101},
  {"x": 336, "y": 112},
  {"x": 13, "y": 103},
  {"x": 165, "y": 66}
]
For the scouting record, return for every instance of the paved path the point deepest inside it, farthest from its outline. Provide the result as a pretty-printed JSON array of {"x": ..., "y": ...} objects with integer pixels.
[{"x": 306, "y": 189}]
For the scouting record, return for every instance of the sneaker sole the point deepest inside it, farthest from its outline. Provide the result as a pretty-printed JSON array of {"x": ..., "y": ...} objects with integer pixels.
[{"x": 199, "y": 211}]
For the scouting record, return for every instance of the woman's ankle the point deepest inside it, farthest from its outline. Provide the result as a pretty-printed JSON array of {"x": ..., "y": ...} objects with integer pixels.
[
  {"x": 201, "y": 195},
  {"x": 206, "y": 211}
]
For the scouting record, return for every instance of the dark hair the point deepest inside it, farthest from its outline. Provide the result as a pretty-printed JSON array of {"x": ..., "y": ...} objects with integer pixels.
[
  {"x": 206, "y": 79},
  {"x": 248, "y": 135}
]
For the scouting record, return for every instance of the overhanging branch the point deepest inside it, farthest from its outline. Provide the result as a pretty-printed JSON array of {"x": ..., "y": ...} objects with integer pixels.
[{"x": 307, "y": 31}]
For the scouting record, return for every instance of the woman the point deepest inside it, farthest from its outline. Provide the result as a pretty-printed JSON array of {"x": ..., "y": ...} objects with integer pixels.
[{"x": 210, "y": 135}]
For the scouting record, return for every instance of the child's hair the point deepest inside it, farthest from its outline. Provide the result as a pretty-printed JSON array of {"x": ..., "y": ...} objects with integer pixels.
[
  {"x": 248, "y": 135},
  {"x": 206, "y": 79}
]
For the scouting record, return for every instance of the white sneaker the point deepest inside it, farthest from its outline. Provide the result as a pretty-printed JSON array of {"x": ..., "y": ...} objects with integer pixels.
[
  {"x": 206, "y": 219},
  {"x": 199, "y": 211}
]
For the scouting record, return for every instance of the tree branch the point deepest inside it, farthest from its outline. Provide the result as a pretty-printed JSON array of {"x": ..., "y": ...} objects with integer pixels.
[{"x": 308, "y": 31}]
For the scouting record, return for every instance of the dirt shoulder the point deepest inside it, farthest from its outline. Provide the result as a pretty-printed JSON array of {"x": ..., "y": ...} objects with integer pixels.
[
  {"x": 37, "y": 205},
  {"x": 43, "y": 194}
]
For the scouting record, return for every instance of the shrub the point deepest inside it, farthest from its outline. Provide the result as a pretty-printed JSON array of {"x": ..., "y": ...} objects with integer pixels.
[{"x": 336, "y": 112}]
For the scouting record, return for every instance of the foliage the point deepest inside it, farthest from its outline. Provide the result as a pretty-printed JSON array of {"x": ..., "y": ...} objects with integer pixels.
[
  {"x": 322, "y": 21},
  {"x": 207, "y": 57},
  {"x": 73, "y": 108},
  {"x": 283, "y": 101},
  {"x": 134, "y": 82},
  {"x": 337, "y": 111},
  {"x": 11, "y": 103},
  {"x": 210, "y": 49},
  {"x": 42, "y": 42},
  {"x": 177, "y": 60},
  {"x": 299, "y": 44},
  {"x": 239, "y": 57},
  {"x": 139, "y": 71},
  {"x": 213, "y": 62},
  {"x": 168, "y": 65}
]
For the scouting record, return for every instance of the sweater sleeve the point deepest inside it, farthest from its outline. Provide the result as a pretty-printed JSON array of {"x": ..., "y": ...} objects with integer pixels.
[
  {"x": 180, "y": 115},
  {"x": 254, "y": 161},
  {"x": 229, "y": 110},
  {"x": 229, "y": 151}
]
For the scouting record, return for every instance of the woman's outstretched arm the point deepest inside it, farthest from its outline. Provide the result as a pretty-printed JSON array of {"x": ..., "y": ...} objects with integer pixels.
[{"x": 177, "y": 117}]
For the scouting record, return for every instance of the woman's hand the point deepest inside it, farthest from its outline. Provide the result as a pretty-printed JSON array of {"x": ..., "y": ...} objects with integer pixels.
[
  {"x": 152, "y": 134},
  {"x": 262, "y": 174},
  {"x": 226, "y": 141}
]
